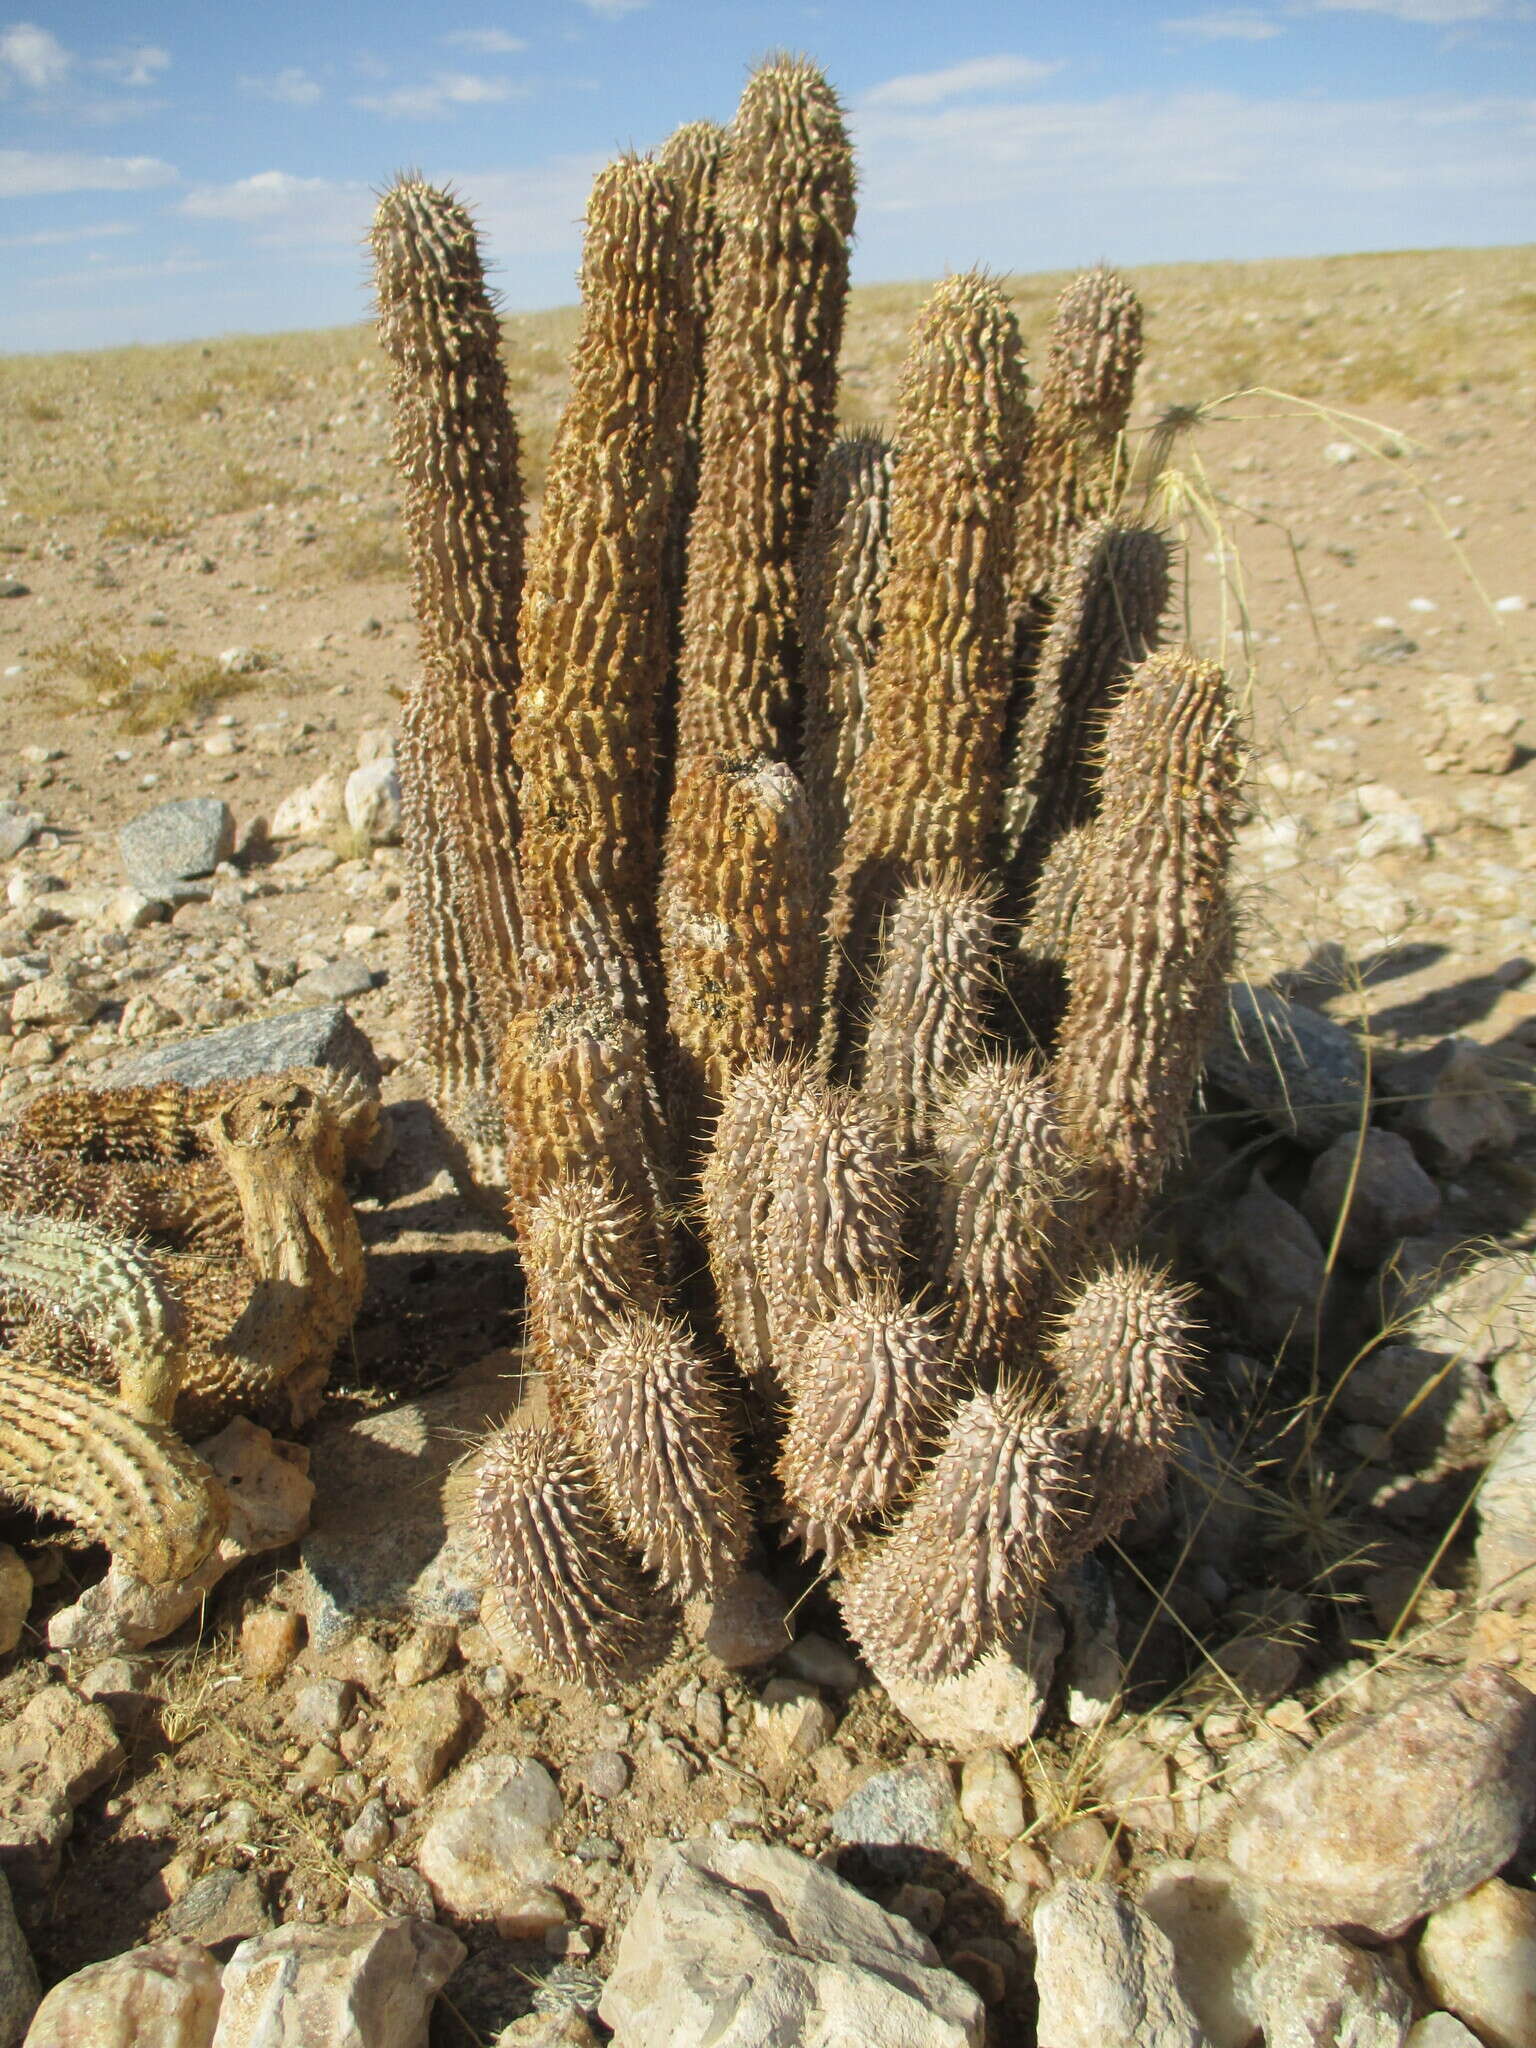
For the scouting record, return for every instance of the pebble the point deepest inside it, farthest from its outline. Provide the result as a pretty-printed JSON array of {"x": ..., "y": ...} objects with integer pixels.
[
  {"x": 1397, "y": 1814},
  {"x": 346, "y": 975},
  {"x": 371, "y": 800},
  {"x": 992, "y": 1795},
  {"x": 312, "y": 812},
  {"x": 18, "y": 825},
  {"x": 421, "y": 1733},
  {"x": 1373, "y": 1179},
  {"x": 602, "y": 1774},
  {"x": 489, "y": 1839},
  {"x": 321, "y": 1708},
  {"x": 53, "y": 1000},
  {"x": 372, "y": 1984},
  {"x": 1447, "y": 1105},
  {"x": 1298, "y": 1069},
  {"x": 1315, "y": 1991},
  {"x": 270, "y": 1639},
  {"x": 424, "y": 1653},
  {"x": 167, "y": 1994},
  {"x": 709, "y": 1718},
  {"x": 1083, "y": 1847},
  {"x": 1477, "y": 1957},
  {"x": 1104, "y": 1972},
  {"x": 369, "y": 1835},
  {"x": 745, "y": 1625},
  {"x": 794, "y": 1717},
  {"x": 998, "y": 1703},
  {"x": 222, "y": 1905},
  {"x": 760, "y": 1946},
  {"x": 53, "y": 1755}
]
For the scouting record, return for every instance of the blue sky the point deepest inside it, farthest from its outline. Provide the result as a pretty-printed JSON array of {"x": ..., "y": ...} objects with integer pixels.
[{"x": 175, "y": 168}]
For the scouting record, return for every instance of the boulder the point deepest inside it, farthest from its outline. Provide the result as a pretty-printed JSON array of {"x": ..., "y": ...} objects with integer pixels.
[
  {"x": 18, "y": 1975},
  {"x": 1477, "y": 1956},
  {"x": 1316, "y": 1991},
  {"x": 1373, "y": 1181},
  {"x": 176, "y": 842},
  {"x": 368, "y": 1987},
  {"x": 166, "y": 1995},
  {"x": 1301, "y": 1072},
  {"x": 759, "y": 1946},
  {"x": 1106, "y": 1973}
]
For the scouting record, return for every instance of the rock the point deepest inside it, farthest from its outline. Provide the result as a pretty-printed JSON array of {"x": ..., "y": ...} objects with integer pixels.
[
  {"x": 1081, "y": 1848},
  {"x": 372, "y": 802},
  {"x": 1373, "y": 1179},
  {"x": 1466, "y": 732},
  {"x": 321, "y": 1709},
  {"x": 130, "y": 910},
  {"x": 531, "y": 1913},
  {"x": 369, "y": 1835},
  {"x": 19, "y": 1989},
  {"x": 15, "y": 1598},
  {"x": 1095, "y": 1670},
  {"x": 270, "y": 1494},
  {"x": 164, "y": 1996},
  {"x": 1431, "y": 1404},
  {"x": 310, "y": 813},
  {"x": 547, "y": 2030},
  {"x": 270, "y": 1639},
  {"x": 992, "y": 1795},
  {"x": 369, "y": 1987},
  {"x": 1216, "y": 1924},
  {"x": 344, "y": 976},
  {"x": 1447, "y": 1105},
  {"x": 1478, "y": 1957},
  {"x": 222, "y": 1905},
  {"x": 60, "y": 1742},
  {"x": 424, "y": 1653},
  {"x": 1397, "y": 1814},
  {"x": 794, "y": 1717},
  {"x": 913, "y": 1805},
  {"x": 380, "y": 1546},
  {"x": 1441, "y": 2030},
  {"x": 1264, "y": 1257},
  {"x": 1506, "y": 1519},
  {"x": 323, "y": 1037},
  {"x": 1138, "y": 1785},
  {"x": 759, "y": 1946},
  {"x": 17, "y": 826},
  {"x": 176, "y": 841},
  {"x": 1301, "y": 1072},
  {"x": 52, "y": 1000},
  {"x": 1316, "y": 1991},
  {"x": 421, "y": 1733},
  {"x": 746, "y": 1625},
  {"x": 1481, "y": 1310},
  {"x": 823, "y": 1663},
  {"x": 1105, "y": 1973},
  {"x": 602, "y": 1775},
  {"x": 489, "y": 1840},
  {"x": 997, "y": 1703},
  {"x": 244, "y": 661}
]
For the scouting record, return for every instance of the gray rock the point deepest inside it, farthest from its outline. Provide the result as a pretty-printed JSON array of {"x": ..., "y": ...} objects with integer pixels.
[
  {"x": 1372, "y": 1179},
  {"x": 17, "y": 826},
  {"x": 1432, "y": 1404},
  {"x": 323, "y": 1037},
  {"x": 344, "y": 976},
  {"x": 1447, "y": 1105},
  {"x": 488, "y": 1846},
  {"x": 1297, "y": 1069},
  {"x": 1478, "y": 1958},
  {"x": 19, "y": 1990},
  {"x": 370, "y": 1986},
  {"x": 1264, "y": 1257},
  {"x": 221, "y": 1905},
  {"x": 1316, "y": 1991},
  {"x": 1397, "y": 1814},
  {"x": 55, "y": 1753},
  {"x": 12, "y": 586},
  {"x": 913, "y": 1805},
  {"x": 167, "y": 1994},
  {"x": 999, "y": 1700},
  {"x": 311, "y": 813},
  {"x": 821, "y": 1662},
  {"x": 1105, "y": 1973},
  {"x": 380, "y": 1545},
  {"x": 744, "y": 1625},
  {"x": 1479, "y": 1309},
  {"x": 176, "y": 841},
  {"x": 740, "y": 1942},
  {"x": 1217, "y": 1925}
]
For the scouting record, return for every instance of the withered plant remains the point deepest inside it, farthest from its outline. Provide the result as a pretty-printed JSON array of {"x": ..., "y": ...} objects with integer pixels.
[{"x": 830, "y": 867}]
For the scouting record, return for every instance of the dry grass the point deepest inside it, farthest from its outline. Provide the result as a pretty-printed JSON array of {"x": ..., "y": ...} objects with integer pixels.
[{"x": 145, "y": 688}]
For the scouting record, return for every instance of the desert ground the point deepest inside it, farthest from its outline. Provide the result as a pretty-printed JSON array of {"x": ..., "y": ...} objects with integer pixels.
[{"x": 204, "y": 592}]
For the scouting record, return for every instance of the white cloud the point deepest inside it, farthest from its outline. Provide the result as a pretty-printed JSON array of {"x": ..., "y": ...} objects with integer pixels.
[
  {"x": 979, "y": 75},
  {"x": 55, "y": 238},
  {"x": 532, "y": 212},
  {"x": 1427, "y": 13},
  {"x": 1225, "y": 25},
  {"x": 38, "y": 58},
  {"x": 488, "y": 42},
  {"x": 283, "y": 210},
  {"x": 434, "y": 97},
  {"x": 134, "y": 68},
  {"x": 614, "y": 10},
  {"x": 95, "y": 274},
  {"x": 30, "y": 173},
  {"x": 293, "y": 86}
]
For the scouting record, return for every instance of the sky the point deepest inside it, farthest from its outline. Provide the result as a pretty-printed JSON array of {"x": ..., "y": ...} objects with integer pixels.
[{"x": 172, "y": 169}]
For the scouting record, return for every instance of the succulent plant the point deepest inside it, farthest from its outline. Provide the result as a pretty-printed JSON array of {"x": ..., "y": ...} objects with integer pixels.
[
  {"x": 904, "y": 1024},
  {"x": 184, "y": 1254}
]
